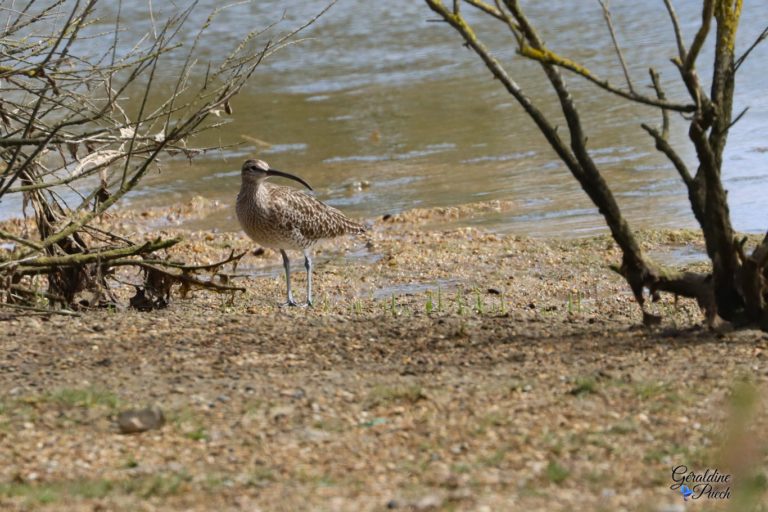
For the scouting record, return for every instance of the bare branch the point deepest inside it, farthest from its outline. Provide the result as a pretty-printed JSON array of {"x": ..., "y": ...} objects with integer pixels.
[
  {"x": 762, "y": 37},
  {"x": 549, "y": 131},
  {"x": 735, "y": 120},
  {"x": 182, "y": 277},
  {"x": 619, "y": 53},
  {"x": 681, "y": 51},
  {"x": 4, "y": 235},
  {"x": 546, "y": 56},
  {"x": 486, "y": 8},
  {"x": 95, "y": 257},
  {"x": 663, "y": 145},
  {"x": 701, "y": 35},
  {"x": 655, "y": 80}
]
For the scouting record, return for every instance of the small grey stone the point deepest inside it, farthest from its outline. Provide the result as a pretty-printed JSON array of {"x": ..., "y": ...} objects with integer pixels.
[
  {"x": 296, "y": 394},
  {"x": 429, "y": 502},
  {"x": 141, "y": 420}
]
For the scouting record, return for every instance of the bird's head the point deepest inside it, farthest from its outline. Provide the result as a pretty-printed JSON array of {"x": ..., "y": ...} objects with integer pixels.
[{"x": 257, "y": 171}]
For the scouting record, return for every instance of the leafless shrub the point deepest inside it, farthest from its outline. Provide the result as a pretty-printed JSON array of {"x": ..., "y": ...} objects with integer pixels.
[
  {"x": 66, "y": 123},
  {"x": 737, "y": 287}
]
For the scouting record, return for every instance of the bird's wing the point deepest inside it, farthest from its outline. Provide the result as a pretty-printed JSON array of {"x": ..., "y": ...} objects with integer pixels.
[{"x": 312, "y": 218}]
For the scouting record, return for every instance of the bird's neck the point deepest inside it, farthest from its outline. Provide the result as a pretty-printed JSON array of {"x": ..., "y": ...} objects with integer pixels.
[
  {"x": 251, "y": 186},
  {"x": 254, "y": 193}
]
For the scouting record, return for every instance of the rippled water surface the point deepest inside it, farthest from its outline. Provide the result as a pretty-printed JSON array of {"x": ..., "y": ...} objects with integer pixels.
[{"x": 379, "y": 94}]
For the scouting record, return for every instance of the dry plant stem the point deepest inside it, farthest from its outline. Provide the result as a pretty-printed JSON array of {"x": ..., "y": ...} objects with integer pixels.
[
  {"x": 42, "y": 311},
  {"x": 183, "y": 277},
  {"x": 35, "y": 293}
]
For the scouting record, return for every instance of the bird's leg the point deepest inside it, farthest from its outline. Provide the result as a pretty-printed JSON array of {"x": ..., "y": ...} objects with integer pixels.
[
  {"x": 308, "y": 266},
  {"x": 287, "y": 267}
]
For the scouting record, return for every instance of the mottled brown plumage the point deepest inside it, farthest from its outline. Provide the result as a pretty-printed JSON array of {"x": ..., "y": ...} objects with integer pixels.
[{"x": 286, "y": 218}]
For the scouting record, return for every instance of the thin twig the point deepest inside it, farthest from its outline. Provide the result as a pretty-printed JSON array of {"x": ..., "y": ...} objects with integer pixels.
[
  {"x": 676, "y": 27},
  {"x": 41, "y": 311},
  {"x": 735, "y": 120},
  {"x": 662, "y": 144},
  {"x": 4, "y": 235},
  {"x": 762, "y": 37},
  {"x": 487, "y": 9},
  {"x": 619, "y": 53},
  {"x": 98, "y": 256}
]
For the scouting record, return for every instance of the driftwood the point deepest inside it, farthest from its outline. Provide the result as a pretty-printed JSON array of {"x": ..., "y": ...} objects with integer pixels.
[{"x": 735, "y": 289}]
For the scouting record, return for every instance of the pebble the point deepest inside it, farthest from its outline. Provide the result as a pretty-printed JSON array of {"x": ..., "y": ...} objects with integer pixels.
[
  {"x": 431, "y": 501},
  {"x": 137, "y": 421},
  {"x": 296, "y": 394},
  {"x": 281, "y": 411}
]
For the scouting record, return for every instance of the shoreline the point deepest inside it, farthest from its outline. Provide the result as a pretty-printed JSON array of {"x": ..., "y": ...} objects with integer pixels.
[{"x": 450, "y": 369}]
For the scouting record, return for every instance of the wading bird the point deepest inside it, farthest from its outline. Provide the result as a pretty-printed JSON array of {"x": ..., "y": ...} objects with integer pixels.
[{"x": 286, "y": 218}]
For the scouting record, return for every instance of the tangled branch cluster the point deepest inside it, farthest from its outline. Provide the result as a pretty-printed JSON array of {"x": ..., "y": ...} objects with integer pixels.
[{"x": 89, "y": 125}]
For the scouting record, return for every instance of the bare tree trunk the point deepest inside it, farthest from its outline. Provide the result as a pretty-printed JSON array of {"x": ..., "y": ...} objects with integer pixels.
[{"x": 736, "y": 290}]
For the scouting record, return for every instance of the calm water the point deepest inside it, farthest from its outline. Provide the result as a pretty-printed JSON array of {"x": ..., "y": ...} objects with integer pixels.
[{"x": 379, "y": 94}]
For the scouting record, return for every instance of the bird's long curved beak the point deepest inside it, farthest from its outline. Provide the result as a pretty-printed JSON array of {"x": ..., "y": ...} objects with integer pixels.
[{"x": 275, "y": 172}]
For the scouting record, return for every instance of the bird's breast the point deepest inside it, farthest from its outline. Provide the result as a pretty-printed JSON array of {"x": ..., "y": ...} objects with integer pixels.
[{"x": 264, "y": 222}]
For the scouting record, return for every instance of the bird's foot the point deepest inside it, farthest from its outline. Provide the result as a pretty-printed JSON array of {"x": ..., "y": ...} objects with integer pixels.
[
  {"x": 309, "y": 304},
  {"x": 289, "y": 303}
]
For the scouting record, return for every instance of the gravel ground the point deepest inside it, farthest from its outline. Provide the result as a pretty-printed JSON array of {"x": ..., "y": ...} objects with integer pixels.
[{"x": 442, "y": 368}]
